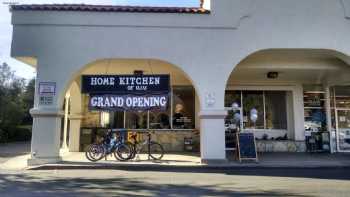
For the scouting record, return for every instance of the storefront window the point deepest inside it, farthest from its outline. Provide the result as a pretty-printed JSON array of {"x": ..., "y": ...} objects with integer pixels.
[
  {"x": 232, "y": 97},
  {"x": 314, "y": 112},
  {"x": 342, "y": 96},
  {"x": 159, "y": 120},
  {"x": 270, "y": 106},
  {"x": 117, "y": 119},
  {"x": 136, "y": 120},
  {"x": 276, "y": 112},
  {"x": 183, "y": 107},
  {"x": 105, "y": 119},
  {"x": 90, "y": 118},
  {"x": 181, "y": 117},
  {"x": 253, "y": 100},
  {"x": 233, "y": 105}
]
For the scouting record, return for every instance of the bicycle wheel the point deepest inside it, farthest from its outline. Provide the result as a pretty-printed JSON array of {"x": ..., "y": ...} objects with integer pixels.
[
  {"x": 123, "y": 152},
  {"x": 94, "y": 152},
  {"x": 133, "y": 150},
  {"x": 156, "y": 151}
]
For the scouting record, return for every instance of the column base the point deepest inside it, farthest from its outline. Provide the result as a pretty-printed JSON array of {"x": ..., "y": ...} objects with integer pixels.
[
  {"x": 43, "y": 160},
  {"x": 214, "y": 161}
]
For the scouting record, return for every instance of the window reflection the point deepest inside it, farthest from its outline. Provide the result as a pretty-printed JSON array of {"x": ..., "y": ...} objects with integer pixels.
[
  {"x": 117, "y": 119},
  {"x": 276, "y": 112},
  {"x": 271, "y": 108},
  {"x": 232, "y": 97},
  {"x": 180, "y": 114},
  {"x": 159, "y": 120},
  {"x": 136, "y": 120},
  {"x": 342, "y": 96},
  {"x": 314, "y": 112},
  {"x": 253, "y": 100},
  {"x": 183, "y": 107}
]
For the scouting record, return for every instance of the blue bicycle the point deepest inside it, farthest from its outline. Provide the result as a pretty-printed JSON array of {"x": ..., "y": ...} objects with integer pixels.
[{"x": 111, "y": 143}]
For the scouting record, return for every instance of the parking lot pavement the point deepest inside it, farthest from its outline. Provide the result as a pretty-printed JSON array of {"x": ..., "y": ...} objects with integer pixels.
[
  {"x": 169, "y": 182},
  {"x": 10, "y": 150}
]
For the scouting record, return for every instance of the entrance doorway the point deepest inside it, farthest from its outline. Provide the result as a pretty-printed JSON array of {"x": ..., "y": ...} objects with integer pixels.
[{"x": 343, "y": 130}]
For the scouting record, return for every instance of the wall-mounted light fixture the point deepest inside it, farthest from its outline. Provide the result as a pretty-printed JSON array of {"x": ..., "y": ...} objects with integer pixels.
[
  {"x": 272, "y": 75},
  {"x": 138, "y": 72}
]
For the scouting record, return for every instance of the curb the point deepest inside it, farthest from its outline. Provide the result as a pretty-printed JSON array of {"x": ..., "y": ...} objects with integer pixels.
[{"x": 160, "y": 167}]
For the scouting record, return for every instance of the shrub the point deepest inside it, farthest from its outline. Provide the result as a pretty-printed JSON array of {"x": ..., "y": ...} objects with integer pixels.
[
  {"x": 22, "y": 134},
  {"x": 15, "y": 134},
  {"x": 3, "y": 136}
]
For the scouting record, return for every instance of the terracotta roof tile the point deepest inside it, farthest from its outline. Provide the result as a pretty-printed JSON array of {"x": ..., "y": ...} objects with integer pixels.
[{"x": 107, "y": 8}]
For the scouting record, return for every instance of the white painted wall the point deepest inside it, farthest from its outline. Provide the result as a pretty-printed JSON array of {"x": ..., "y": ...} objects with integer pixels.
[{"x": 206, "y": 47}]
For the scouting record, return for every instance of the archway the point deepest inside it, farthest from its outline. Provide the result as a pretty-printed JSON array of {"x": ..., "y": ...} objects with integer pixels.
[
  {"x": 85, "y": 125},
  {"x": 293, "y": 92}
]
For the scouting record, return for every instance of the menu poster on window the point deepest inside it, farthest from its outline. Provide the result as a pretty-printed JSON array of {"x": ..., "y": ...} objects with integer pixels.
[{"x": 128, "y": 102}]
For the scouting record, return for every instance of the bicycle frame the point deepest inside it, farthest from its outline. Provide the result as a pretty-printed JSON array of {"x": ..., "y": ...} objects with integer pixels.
[
  {"x": 138, "y": 146},
  {"x": 110, "y": 148}
]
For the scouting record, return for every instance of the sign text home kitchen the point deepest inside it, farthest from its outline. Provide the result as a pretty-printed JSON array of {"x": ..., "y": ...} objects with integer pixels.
[{"x": 125, "y": 84}]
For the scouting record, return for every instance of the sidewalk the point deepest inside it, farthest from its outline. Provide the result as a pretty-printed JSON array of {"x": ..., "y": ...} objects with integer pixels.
[
  {"x": 18, "y": 161},
  {"x": 13, "y": 149},
  {"x": 266, "y": 160}
]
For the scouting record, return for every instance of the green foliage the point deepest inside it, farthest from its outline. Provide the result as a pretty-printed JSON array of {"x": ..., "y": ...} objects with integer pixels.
[
  {"x": 28, "y": 101},
  {"x": 16, "y": 98}
]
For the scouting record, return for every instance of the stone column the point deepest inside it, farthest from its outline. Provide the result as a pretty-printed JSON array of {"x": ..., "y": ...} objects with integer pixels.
[
  {"x": 212, "y": 136},
  {"x": 329, "y": 116},
  {"x": 74, "y": 132},
  {"x": 298, "y": 105},
  {"x": 45, "y": 135}
]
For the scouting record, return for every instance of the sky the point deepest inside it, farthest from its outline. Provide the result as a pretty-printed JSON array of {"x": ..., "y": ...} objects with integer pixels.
[{"x": 26, "y": 71}]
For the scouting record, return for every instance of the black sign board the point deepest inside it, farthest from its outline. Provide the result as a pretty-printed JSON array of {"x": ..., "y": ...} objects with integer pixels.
[
  {"x": 108, "y": 102},
  {"x": 246, "y": 147},
  {"x": 125, "y": 84}
]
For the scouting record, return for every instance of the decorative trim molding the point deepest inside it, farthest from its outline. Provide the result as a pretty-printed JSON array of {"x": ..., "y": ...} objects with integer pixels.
[
  {"x": 212, "y": 114},
  {"x": 346, "y": 6},
  {"x": 46, "y": 112}
]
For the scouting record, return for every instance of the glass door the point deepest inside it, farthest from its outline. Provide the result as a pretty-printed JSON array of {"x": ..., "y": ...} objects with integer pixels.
[{"x": 343, "y": 130}]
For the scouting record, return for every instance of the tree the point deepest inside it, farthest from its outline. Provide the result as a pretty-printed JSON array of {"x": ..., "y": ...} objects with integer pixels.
[
  {"x": 28, "y": 101},
  {"x": 12, "y": 107}
]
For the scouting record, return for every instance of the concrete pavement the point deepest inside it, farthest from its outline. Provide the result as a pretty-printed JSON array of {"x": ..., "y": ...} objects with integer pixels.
[
  {"x": 179, "y": 175},
  {"x": 15, "y": 160},
  {"x": 11, "y": 150},
  {"x": 266, "y": 160},
  {"x": 165, "y": 182}
]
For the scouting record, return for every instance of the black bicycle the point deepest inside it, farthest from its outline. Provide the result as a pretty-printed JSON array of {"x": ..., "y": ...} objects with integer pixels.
[
  {"x": 111, "y": 143},
  {"x": 154, "y": 150}
]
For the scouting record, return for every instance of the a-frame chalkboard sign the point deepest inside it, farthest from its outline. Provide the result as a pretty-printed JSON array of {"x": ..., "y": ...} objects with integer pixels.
[{"x": 246, "y": 147}]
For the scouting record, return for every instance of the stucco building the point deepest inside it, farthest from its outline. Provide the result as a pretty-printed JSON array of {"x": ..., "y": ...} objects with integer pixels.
[{"x": 288, "y": 59}]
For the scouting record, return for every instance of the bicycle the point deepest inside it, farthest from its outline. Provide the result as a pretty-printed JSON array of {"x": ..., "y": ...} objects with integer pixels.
[
  {"x": 110, "y": 144},
  {"x": 154, "y": 149}
]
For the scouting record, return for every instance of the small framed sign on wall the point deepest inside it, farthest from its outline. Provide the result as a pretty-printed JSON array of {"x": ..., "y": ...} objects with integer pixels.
[
  {"x": 47, "y": 88},
  {"x": 47, "y": 91}
]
